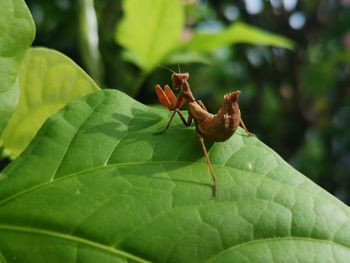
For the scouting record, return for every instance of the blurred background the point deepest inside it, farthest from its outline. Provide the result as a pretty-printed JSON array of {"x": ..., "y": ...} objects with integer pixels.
[{"x": 296, "y": 101}]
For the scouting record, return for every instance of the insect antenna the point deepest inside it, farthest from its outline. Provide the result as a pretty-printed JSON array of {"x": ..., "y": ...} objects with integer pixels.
[{"x": 167, "y": 69}]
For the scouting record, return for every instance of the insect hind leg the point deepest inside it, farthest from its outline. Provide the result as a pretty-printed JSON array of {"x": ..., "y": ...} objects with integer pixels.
[
  {"x": 201, "y": 140},
  {"x": 241, "y": 123}
]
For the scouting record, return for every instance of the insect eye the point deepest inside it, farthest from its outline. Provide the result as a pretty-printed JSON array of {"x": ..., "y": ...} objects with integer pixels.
[{"x": 185, "y": 76}]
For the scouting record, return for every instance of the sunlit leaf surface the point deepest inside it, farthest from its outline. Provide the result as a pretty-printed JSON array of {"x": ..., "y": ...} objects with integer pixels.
[
  {"x": 48, "y": 80},
  {"x": 17, "y": 32},
  {"x": 96, "y": 185}
]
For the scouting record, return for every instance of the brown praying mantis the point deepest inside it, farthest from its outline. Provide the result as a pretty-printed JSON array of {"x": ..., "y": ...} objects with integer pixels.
[{"x": 218, "y": 128}]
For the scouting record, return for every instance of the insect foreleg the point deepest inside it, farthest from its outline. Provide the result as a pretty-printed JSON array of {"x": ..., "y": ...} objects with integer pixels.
[
  {"x": 162, "y": 131},
  {"x": 201, "y": 140},
  {"x": 189, "y": 120},
  {"x": 185, "y": 122}
]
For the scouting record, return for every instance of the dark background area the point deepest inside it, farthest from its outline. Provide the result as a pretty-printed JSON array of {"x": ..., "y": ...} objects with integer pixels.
[{"x": 297, "y": 102}]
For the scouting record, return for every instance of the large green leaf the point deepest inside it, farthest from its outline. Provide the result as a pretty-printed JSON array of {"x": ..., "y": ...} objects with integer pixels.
[
  {"x": 17, "y": 32},
  {"x": 238, "y": 32},
  {"x": 48, "y": 80},
  {"x": 96, "y": 186},
  {"x": 150, "y": 29}
]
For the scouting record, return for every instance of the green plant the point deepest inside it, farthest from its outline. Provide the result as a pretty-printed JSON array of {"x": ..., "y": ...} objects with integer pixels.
[
  {"x": 36, "y": 82},
  {"x": 17, "y": 33},
  {"x": 48, "y": 80},
  {"x": 95, "y": 185},
  {"x": 41, "y": 86},
  {"x": 158, "y": 24}
]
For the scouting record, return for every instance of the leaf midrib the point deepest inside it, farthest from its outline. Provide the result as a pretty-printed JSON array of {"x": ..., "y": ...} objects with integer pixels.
[
  {"x": 58, "y": 179},
  {"x": 68, "y": 176},
  {"x": 72, "y": 238}
]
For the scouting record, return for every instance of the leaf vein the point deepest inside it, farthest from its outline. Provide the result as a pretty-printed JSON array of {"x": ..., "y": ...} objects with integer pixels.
[
  {"x": 75, "y": 239},
  {"x": 72, "y": 138},
  {"x": 274, "y": 239}
]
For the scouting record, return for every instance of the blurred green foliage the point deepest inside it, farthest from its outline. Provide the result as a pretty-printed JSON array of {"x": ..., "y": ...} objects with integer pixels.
[
  {"x": 17, "y": 32},
  {"x": 298, "y": 102},
  {"x": 155, "y": 38}
]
